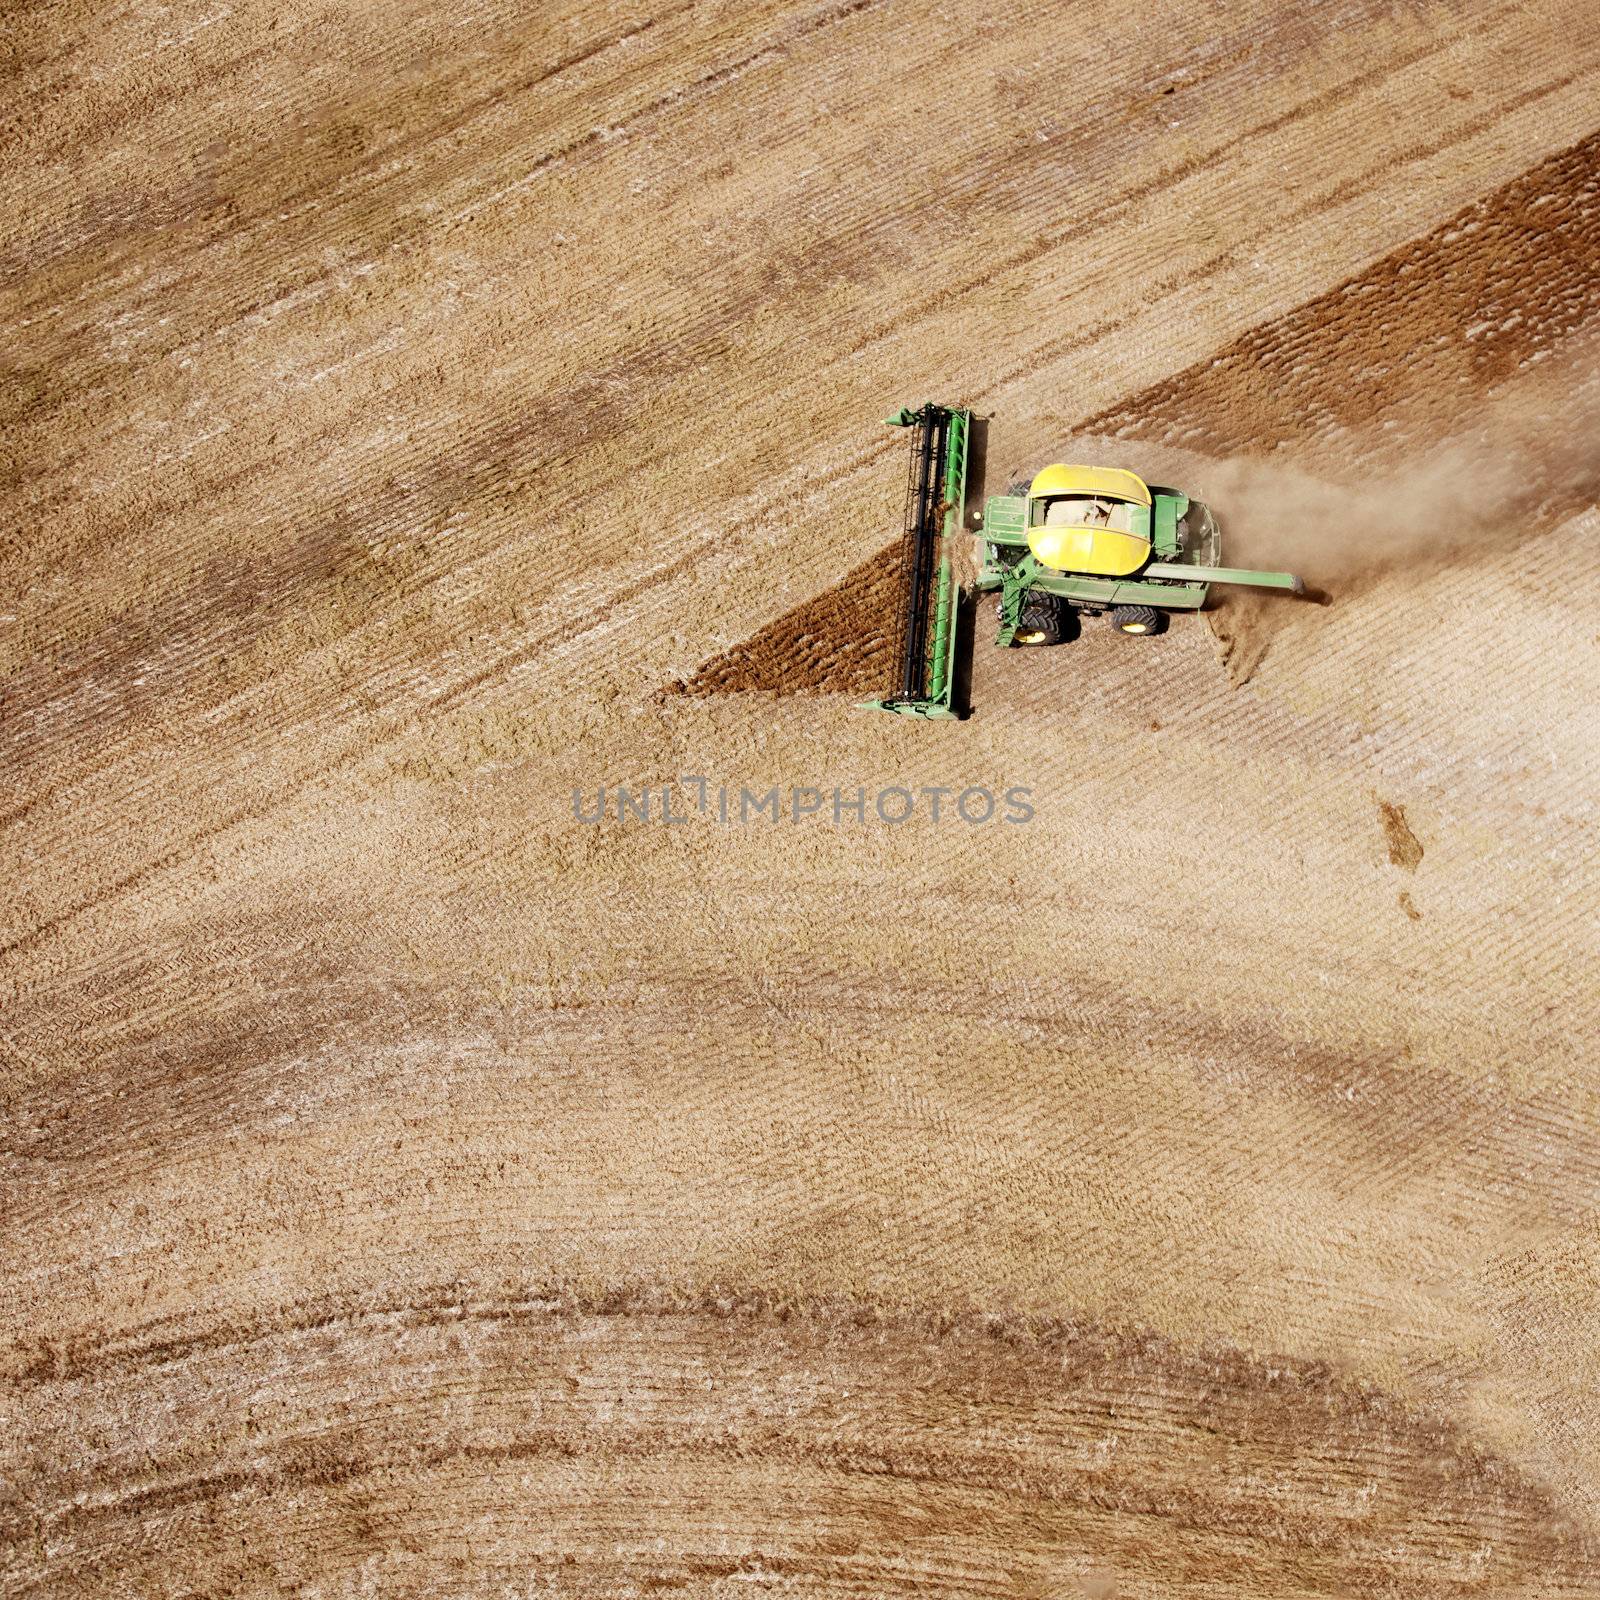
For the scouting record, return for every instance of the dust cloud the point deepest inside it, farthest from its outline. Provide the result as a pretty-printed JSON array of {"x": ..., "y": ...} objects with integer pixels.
[{"x": 1510, "y": 466}]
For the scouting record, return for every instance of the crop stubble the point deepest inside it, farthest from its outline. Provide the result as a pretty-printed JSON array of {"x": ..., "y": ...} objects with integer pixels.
[{"x": 391, "y": 413}]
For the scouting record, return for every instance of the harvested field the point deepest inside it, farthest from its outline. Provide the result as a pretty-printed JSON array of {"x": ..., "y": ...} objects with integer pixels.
[
  {"x": 807, "y": 1421},
  {"x": 1399, "y": 351},
  {"x": 838, "y": 642},
  {"x": 421, "y": 427}
]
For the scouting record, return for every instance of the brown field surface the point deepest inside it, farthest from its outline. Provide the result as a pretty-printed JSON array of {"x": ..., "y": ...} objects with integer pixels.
[{"x": 417, "y": 420}]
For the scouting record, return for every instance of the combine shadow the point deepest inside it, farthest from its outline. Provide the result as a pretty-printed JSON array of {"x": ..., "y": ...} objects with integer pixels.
[
  {"x": 977, "y": 468},
  {"x": 968, "y": 610},
  {"x": 966, "y": 645},
  {"x": 975, "y": 618}
]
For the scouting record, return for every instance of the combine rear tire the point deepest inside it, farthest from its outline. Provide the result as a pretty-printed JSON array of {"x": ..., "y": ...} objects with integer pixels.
[
  {"x": 1139, "y": 620},
  {"x": 1040, "y": 622}
]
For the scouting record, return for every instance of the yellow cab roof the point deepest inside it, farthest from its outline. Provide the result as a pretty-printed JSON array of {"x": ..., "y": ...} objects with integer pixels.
[
  {"x": 1090, "y": 546},
  {"x": 1108, "y": 483},
  {"x": 1104, "y": 552}
]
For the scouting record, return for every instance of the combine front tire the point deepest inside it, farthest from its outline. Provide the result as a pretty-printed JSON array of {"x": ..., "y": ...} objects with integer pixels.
[
  {"x": 1040, "y": 622},
  {"x": 1136, "y": 619}
]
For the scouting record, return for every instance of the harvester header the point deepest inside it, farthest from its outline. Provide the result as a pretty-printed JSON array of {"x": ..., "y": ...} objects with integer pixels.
[{"x": 936, "y": 497}]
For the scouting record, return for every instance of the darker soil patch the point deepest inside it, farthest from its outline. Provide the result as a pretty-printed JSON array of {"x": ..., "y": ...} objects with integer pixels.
[
  {"x": 838, "y": 642},
  {"x": 1405, "y": 848}
]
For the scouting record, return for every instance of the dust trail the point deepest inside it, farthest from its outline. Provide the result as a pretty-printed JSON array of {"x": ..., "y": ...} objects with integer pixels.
[{"x": 1512, "y": 464}]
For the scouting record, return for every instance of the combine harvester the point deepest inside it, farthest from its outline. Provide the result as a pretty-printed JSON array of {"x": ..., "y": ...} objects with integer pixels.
[{"x": 1075, "y": 539}]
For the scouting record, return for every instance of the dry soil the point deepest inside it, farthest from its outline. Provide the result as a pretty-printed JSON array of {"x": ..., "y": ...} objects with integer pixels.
[{"x": 417, "y": 420}]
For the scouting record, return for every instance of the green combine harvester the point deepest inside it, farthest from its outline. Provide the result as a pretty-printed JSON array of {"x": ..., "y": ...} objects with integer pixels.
[{"x": 1074, "y": 539}]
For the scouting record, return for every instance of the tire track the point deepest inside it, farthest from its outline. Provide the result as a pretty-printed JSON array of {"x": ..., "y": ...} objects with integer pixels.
[{"x": 1057, "y": 1447}]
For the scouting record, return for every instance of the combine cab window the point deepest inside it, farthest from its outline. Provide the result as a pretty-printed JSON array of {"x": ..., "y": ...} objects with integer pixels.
[{"x": 1075, "y": 511}]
